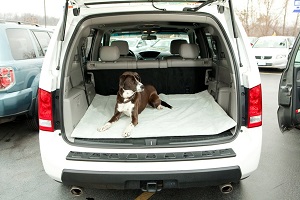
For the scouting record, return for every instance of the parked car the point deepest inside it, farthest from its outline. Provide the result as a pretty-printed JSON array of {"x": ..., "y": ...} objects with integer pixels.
[
  {"x": 213, "y": 134},
  {"x": 272, "y": 51},
  {"x": 22, "y": 49},
  {"x": 289, "y": 93}
]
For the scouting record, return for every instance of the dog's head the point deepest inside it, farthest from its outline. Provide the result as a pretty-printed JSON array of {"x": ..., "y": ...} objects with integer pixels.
[{"x": 130, "y": 83}]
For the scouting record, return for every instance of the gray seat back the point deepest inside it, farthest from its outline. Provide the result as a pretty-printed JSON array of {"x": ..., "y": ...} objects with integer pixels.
[
  {"x": 174, "y": 48},
  {"x": 124, "y": 49}
]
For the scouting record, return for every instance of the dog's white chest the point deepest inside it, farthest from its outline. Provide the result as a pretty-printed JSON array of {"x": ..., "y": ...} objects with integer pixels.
[{"x": 126, "y": 108}]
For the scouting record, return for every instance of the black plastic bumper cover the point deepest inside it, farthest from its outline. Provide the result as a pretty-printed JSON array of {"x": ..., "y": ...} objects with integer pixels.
[{"x": 135, "y": 180}]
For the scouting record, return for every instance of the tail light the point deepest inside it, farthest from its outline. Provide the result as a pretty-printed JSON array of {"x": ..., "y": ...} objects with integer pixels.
[
  {"x": 7, "y": 77},
  {"x": 255, "y": 107},
  {"x": 45, "y": 110}
]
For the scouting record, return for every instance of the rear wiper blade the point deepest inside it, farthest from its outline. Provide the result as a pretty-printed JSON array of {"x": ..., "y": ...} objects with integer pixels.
[{"x": 199, "y": 7}]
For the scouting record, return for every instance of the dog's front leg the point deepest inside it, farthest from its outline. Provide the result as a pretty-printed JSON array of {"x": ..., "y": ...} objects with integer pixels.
[
  {"x": 109, "y": 123},
  {"x": 134, "y": 122}
]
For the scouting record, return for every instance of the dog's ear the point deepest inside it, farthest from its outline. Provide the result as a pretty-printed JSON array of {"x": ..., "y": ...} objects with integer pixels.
[
  {"x": 137, "y": 76},
  {"x": 122, "y": 79}
]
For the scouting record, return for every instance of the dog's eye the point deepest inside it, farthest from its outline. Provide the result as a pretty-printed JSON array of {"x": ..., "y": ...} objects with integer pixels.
[{"x": 138, "y": 78}]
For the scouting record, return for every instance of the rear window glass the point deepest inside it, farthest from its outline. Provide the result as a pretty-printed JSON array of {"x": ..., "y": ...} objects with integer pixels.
[
  {"x": 154, "y": 42},
  {"x": 43, "y": 40},
  {"x": 270, "y": 42},
  {"x": 20, "y": 44}
]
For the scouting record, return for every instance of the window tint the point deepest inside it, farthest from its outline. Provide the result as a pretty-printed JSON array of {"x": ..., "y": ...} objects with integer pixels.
[
  {"x": 42, "y": 40},
  {"x": 20, "y": 44}
]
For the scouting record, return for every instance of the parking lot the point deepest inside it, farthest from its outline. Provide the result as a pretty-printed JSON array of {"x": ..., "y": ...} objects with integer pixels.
[{"x": 277, "y": 177}]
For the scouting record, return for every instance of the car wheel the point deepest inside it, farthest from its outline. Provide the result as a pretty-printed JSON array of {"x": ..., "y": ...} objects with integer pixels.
[{"x": 33, "y": 121}]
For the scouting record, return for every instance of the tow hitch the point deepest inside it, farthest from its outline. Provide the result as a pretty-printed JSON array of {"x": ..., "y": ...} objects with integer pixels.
[{"x": 151, "y": 186}]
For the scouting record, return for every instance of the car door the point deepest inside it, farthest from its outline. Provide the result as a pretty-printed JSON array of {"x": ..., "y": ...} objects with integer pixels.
[{"x": 288, "y": 112}]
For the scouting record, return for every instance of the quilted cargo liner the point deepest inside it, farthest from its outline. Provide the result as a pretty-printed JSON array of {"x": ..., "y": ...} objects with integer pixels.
[{"x": 192, "y": 114}]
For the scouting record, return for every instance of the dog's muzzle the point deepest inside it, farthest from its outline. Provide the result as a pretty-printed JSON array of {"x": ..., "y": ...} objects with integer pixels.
[{"x": 140, "y": 87}]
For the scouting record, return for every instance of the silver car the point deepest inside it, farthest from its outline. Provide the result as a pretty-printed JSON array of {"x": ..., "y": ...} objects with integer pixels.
[{"x": 272, "y": 51}]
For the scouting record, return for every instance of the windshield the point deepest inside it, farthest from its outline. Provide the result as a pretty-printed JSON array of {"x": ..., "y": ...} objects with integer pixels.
[
  {"x": 270, "y": 42},
  {"x": 159, "y": 42}
]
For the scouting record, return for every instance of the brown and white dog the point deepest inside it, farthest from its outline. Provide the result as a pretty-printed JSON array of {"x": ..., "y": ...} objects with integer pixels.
[{"x": 132, "y": 99}]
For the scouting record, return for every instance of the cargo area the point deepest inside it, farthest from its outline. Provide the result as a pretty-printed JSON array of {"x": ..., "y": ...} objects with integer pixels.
[
  {"x": 195, "y": 112},
  {"x": 199, "y": 82}
]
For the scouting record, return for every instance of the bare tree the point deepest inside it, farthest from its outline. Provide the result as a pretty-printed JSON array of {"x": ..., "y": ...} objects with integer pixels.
[
  {"x": 29, "y": 18},
  {"x": 267, "y": 22},
  {"x": 295, "y": 31},
  {"x": 285, "y": 6},
  {"x": 264, "y": 18},
  {"x": 248, "y": 16}
]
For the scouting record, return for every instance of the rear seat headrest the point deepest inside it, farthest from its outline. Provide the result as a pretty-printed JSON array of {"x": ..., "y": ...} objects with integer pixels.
[
  {"x": 122, "y": 45},
  {"x": 189, "y": 51},
  {"x": 109, "y": 53},
  {"x": 175, "y": 45}
]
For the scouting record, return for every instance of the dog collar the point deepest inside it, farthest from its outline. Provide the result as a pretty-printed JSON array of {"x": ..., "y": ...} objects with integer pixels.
[{"x": 129, "y": 99}]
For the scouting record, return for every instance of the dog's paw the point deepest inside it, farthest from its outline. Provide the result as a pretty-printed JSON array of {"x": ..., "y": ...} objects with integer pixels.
[
  {"x": 159, "y": 107},
  {"x": 105, "y": 127},
  {"x": 128, "y": 130}
]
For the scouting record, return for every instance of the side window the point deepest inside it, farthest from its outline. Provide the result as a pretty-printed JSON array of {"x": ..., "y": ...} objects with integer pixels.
[
  {"x": 20, "y": 44},
  {"x": 88, "y": 46},
  {"x": 42, "y": 41}
]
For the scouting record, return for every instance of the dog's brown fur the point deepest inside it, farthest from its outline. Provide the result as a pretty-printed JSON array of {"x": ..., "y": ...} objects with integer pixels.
[{"x": 139, "y": 100}]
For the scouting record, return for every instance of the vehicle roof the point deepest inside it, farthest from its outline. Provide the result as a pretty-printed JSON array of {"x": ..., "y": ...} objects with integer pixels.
[{"x": 17, "y": 24}]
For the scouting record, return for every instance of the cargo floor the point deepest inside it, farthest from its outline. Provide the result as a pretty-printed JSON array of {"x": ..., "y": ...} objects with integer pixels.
[{"x": 192, "y": 114}]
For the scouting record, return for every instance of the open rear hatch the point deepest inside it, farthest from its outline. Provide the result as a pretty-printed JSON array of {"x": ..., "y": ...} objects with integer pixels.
[{"x": 202, "y": 91}]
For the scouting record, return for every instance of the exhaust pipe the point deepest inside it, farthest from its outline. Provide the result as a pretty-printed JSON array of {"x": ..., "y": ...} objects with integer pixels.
[
  {"x": 226, "y": 188},
  {"x": 76, "y": 191}
]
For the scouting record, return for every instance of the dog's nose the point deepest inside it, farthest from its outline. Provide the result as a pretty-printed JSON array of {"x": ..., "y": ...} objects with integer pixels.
[{"x": 142, "y": 87}]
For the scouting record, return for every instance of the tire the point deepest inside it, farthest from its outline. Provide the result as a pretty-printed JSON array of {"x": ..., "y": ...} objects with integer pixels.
[{"x": 33, "y": 121}]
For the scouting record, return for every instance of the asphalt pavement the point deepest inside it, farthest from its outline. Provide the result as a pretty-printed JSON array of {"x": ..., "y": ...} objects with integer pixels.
[{"x": 22, "y": 176}]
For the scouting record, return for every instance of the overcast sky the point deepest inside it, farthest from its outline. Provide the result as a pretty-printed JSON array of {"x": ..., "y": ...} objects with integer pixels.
[{"x": 54, "y": 8}]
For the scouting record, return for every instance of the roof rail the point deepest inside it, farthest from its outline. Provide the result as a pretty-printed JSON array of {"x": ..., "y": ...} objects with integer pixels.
[{"x": 18, "y": 22}]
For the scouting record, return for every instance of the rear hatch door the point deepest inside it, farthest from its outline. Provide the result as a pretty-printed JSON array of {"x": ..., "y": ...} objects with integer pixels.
[{"x": 288, "y": 112}]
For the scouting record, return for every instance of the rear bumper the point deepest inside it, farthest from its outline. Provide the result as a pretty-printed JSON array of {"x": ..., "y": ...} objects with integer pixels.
[
  {"x": 121, "y": 173},
  {"x": 140, "y": 179},
  {"x": 272, "y": 63},
  {"x": 15, "y": 103}
]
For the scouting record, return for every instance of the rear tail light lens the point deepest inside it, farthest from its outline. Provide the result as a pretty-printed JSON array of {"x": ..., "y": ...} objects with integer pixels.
[
  {"x": 7, "y": 77},
  {"x": 45, "y": 110},
  {"x": 255, "y": 107}
]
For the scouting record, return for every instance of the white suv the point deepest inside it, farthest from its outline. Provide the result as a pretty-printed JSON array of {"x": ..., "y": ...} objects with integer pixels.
[{"x": 213, "y": 134}]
